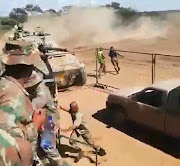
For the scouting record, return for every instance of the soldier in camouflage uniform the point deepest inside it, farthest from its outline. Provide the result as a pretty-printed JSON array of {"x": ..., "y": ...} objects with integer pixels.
[
  {"x": 41, "y": 99},
  {"x": 19, "y": 123},
  {"x": 18, "y": 30},
  {"x": 79, "y": 128},
  {"x": 14, "y": 151}
]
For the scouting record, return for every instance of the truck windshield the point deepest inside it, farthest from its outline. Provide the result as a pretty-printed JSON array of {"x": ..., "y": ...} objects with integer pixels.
[{"x": 150, "y": 97}]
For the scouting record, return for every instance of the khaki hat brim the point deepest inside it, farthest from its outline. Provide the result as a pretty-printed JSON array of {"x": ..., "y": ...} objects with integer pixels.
[{"x": 32, "y": 59}]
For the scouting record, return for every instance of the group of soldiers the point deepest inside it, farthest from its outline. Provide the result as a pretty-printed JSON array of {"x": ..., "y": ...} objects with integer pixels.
[
  {"x": 25, "y": 104},
  {"x": 102, "y": 60}
]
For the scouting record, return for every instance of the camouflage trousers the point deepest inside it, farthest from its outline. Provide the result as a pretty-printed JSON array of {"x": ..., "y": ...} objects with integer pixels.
[
  {"x": 86, "y": 136},
  {"x": 54, "y": 157},
  {"x": 14, "y": 151},
  {"x": 47, "y": 156}
]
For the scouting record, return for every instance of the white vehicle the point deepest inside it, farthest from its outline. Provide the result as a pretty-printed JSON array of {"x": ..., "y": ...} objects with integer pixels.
[{"x": 67, "y": 69}]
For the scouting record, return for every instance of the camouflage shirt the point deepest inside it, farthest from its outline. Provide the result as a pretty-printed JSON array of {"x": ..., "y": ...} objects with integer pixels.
[
  {"x": 16, "y": 110},
  {"x": 43, "y": 99},
  {"x": 14, "y": 151}
]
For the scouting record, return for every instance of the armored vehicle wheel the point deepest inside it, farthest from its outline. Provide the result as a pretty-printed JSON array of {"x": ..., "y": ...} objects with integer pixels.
[{"x": 81, "y": 77}]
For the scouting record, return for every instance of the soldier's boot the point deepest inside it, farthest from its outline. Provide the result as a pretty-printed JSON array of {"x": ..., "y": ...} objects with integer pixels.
[{"x": 100, "y": 151}]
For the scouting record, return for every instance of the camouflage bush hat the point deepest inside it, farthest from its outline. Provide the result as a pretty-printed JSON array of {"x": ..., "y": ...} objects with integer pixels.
[
  {"x": 33, "y": 80},
  {"x": 21, "y": 52},
  {"x": 18, "y": 52}
]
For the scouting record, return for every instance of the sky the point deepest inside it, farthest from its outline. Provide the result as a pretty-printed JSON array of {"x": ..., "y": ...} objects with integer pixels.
[{"x": 140, "y": 5}]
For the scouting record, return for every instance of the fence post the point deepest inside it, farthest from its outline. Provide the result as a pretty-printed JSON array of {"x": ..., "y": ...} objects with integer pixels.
[
  {"x": 152, "y": 68},
  {"x": 96, "y": 53}
]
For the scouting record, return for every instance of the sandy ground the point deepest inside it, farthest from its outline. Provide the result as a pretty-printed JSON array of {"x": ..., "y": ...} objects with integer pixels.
[
  {"x": 121, "y": 148},
  {"x": 135, "y": 146},
  {"x": 125, "y": 147},
  {"x": 136, "y": 69}
]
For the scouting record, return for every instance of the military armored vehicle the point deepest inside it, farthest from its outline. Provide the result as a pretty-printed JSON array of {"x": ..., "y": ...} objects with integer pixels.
[{"x": 67, "y": 69}]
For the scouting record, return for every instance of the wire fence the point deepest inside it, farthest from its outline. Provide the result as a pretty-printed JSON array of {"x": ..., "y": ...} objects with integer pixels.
[{"x": 146, "y": 65}]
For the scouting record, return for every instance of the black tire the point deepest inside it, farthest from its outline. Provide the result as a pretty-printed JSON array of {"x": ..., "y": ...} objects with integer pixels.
[
  {"x": 81, "y": 78},
  {"x": 116, "y": 115}
]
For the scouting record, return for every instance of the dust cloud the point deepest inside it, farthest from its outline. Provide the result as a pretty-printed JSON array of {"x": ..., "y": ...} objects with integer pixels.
[{"x": 87, "y": 26}]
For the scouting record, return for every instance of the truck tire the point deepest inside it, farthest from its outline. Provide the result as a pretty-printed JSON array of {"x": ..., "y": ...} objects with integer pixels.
[
  {"x": 115, "y": 115},
  {"x": 81, "y": 78}
]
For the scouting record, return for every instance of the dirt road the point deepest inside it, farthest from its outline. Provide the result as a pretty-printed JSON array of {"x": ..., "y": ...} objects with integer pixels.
[
  {"x": 126, "y": 147},
  {"x": 135, "y": 68},
  {"x": 121, "y": 148}
]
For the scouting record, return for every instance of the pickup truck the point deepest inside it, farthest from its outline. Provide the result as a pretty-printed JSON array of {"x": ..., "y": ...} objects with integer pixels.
[{"x": 157, "y": 107}]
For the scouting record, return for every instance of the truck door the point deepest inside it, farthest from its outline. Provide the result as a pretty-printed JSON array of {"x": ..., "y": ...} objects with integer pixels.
[
  {"x": 149, "y": 110},
  {"x": 172, "y": 118}
]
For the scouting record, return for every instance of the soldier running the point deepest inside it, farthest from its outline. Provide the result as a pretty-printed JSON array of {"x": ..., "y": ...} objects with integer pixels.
[
  {"x": 79, "y": 128},
  {"x": 18, "y": 31},
  {"x": 114, "y": 59},
  {"x": 101, "y": 60}
]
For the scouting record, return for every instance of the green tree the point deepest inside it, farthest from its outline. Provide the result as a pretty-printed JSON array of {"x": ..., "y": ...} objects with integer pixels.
[
  {"x": 29, "y": 7},
  {"x": 7, "y": 23},
  {"x": 126, "y": 15},
  {"x": 19, "y": 14},
  {"x": 37, "y": 9},
  {"x": 115, "y": 5}
]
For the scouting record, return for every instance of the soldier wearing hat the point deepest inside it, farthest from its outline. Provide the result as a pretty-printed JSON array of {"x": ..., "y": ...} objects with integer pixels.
[
  {"x": 19, "y": 123},
  {"x": 41, "y": 99},
  {"x": 18, "y": 31}
]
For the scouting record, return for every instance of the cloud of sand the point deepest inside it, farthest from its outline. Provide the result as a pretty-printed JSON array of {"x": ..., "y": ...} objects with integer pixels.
[{"x": 86, "y": 26}]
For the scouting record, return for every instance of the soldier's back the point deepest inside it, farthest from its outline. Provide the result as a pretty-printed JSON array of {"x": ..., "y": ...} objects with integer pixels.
[{"x": 14, "y": 103}]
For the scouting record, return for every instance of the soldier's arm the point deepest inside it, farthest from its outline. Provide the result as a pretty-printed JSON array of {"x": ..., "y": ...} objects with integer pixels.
[
  {"x": 31, "y": 129},
  {"x": 64, "y": 109},
  {"x": 119, "y": 54}
]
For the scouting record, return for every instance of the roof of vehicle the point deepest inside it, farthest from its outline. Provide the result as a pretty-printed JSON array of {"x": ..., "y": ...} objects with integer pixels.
[{"x": 167, "y": 85}]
